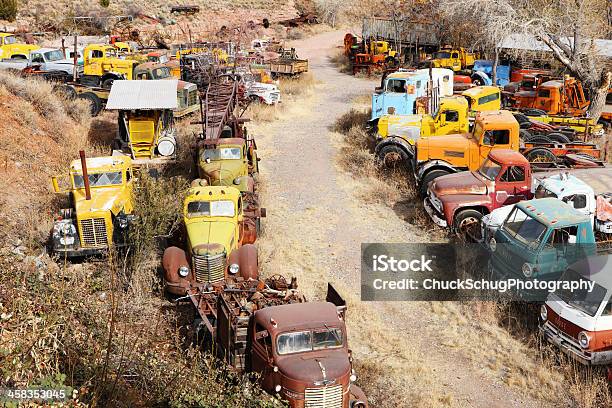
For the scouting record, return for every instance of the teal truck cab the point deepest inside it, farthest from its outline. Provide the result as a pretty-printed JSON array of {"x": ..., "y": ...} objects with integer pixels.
[
  {"x": 539, "y": 239},
  {"x": 399, "y": 90}
]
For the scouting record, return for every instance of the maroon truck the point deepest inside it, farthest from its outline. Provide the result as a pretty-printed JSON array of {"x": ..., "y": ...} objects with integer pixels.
[
  {"x": 460, "y": 200},
  {"x": 298, "y": 348}
]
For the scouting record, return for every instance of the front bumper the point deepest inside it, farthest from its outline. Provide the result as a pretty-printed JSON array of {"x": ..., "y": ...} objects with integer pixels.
[
  {"x": 569, "y": 346},
  {"x": 77, "y": 252},
  {"x": 434, "y": 214}
]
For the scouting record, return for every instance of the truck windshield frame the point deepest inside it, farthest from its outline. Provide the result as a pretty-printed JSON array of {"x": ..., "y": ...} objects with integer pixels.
[
  {"x": 101, "y": 179},
  {"x": 301, "y": 341},
  {"x": 54, "y": 55},
  {"x": 395, "y": 85},
  {"x": 490, "y": 169},
  {"x": 217, "y": 208},
  {"x": 441, "y": 55},
  {"x": 223, "y": 153},
  {"x": 583, "y": 300},
  {"x": 524, "y": 228}
]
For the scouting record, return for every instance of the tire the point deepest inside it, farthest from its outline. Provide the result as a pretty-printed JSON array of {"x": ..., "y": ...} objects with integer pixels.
[
  {"x": 540, "y": 154},
  {"x": 535, "y": 112},
  {"x": 108, "y": 83},
  {"x": 524, "y": 134},
  {"x": 392, "y": 156},
  {"x": 467, "y": 225},
  {"x": 538, "y": 138},
  {"x": 558, "y": 137},
  {"x": 94, "y": 102},
  {"x": 429, "y": 177},
  {"x": 66, "y": 91},
  {"x": 478, "y": 81}
]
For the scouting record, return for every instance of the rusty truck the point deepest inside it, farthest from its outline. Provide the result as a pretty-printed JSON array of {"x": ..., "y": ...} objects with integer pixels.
[{"x": 298, "y": 349}]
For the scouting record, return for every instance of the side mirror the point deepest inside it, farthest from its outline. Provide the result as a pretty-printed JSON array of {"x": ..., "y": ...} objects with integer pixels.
[{"x": 442, "y": 118}]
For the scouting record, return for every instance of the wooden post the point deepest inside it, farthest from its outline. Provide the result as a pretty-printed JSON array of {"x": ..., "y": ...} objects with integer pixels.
[{"x": 75, "y": 60}]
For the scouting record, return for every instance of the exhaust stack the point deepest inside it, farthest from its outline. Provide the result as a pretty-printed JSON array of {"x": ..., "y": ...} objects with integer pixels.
[{"x": 85, "y": 175}]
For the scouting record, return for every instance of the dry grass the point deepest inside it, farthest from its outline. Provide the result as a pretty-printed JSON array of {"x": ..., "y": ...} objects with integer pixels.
[{"x": 342, "y": 62}]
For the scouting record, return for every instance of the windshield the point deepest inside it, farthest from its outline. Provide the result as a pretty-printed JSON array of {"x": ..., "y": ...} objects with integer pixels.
[
  {"x": 223, "y": 208},
  {"x": 524, "y": 228},
  {"x": 54, "y": 55},
  {"x": 99, "y": 179},
  {"x": 10, "y": 40},
  {"x": 489, "y": 169},
  {"x": 110, "y": 53},
  {"x": 225, "y": 153},
  {"x": 161, "y": 73},
  {"x": 543, "y": 192},
  {"x": 582, "y": 299},
  {"x": 441, "y": 55},
  {"x": 309, "y": 340}
]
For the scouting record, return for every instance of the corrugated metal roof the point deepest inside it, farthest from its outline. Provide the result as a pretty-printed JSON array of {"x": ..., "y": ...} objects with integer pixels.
[
  {"x": 136, "y": 94},
  {"x": 531, "y": 43}
]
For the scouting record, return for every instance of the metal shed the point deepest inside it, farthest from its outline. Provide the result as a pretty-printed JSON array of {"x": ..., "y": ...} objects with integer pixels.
[{"x": 143, "y": 95}]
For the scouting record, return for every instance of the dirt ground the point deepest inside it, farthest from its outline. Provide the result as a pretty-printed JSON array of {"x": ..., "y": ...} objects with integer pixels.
[{"x": 314, "y": 230}]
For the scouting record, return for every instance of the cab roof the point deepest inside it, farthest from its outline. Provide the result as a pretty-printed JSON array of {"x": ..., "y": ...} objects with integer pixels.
[
  {"x": 500, "y": 116},
  {"x": 104, "y": 162},
  {"x": 457, "y": 99},
  {"x": 212, "y": 193},
  {"x": 508, "y": 157},
  {"x": 552, "y": 84},
  {"x": 406, "y": 75},
  {"x": 480, "y": 90},
  {"x": 296, "y": 316},
  {"x": 553, "y": 212}
]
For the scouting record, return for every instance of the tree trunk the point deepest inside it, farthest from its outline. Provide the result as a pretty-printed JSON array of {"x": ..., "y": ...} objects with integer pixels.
[
  {"x": 494, "y": 72},
  {"x": 598, "y": 93}
]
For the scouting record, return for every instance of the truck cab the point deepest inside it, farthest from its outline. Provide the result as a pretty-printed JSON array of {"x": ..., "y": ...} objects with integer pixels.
[
  {"x": 483, "y": 98},
  {"x": 555, "y": 97},
  {"x": 539, "y": 239},
  {"x": 11, "y": 48},
  {"x": 452, "y": 58},
  {"x": 102, "y": 66},
  {"x": 52, "y": 59},
  {"x": 219, "y": 237},
  {"x": 301, "y": 352},
  {"x": 101, "y": 196},
  {"x": 580, "y": 322},
  {"x": 400, "y": 90},
  {"x": 437, "y": 156},
  {"x": 459, "y": 201},
  {"x": 482, "y": 73}
]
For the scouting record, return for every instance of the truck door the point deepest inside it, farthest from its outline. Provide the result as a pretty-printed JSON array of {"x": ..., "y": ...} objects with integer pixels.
[
  {"x": 510, "y": 186},
  {"x": 396, "y": 96},
  {"x": 261, "y": 358},
  {"x": 455, "y": 61},
  {"x": 448, "y": 122}
]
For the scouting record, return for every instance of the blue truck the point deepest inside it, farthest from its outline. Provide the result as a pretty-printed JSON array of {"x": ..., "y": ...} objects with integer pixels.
[{"x": 482, "y": 73}]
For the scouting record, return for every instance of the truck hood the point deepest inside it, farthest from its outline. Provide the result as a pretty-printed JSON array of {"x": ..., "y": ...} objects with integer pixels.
[
  {"x": 102, "y": 199},
  {"x": 465, "y": 182},
  {"x": 305, "y": 367},
  {"x": 62, "y": 62},
  {"x": 407, "y": 126},
  {"x": 206, "y": 236},
  {"x": 455, "y": 145},
  {"x": 221, "y": 172}
]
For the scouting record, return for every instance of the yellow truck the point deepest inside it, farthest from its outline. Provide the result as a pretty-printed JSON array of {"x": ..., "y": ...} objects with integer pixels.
[
  {"x": 220, "y": 233},
  {"x": 11, "y": 48},
  {"x": 101, "y": 194},
  {"x": 228, "y": 161},
  {"x": 102, "y": 66},
  {"x": 456, "y": 59},
  {"x": 397, "y": 134}
]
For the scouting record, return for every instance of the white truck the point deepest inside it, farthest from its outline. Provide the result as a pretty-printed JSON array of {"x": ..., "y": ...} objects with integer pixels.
[
  {"x": 46, "y": 59},
  {"x": 259, "y": 91},
  {"x": 587, "y": 190}
]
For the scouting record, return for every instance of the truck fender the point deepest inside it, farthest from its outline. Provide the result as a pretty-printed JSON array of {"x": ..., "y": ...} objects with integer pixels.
[
  {"x": 432, "y": 165},
  {"x": 172, "y": 260},
  {"x": 480, "y": 78},
  {"x": 358, "y": 398},
  {"x": 245, "y": 183},
  {"x": 395, "y": 140},
  {"x": 246, "y": 259}
]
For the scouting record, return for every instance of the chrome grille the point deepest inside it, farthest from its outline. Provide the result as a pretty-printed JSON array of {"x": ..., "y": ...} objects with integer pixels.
[
  {"x": 209, "y": 268},
  {"x": 93, "y": 232},
  {"x": 324, "y": 397},
  {"x": 192, "y": 98}
]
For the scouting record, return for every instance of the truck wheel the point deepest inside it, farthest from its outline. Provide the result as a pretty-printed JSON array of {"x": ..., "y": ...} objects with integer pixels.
[
  {"x": 108, "y": 83},
  {"x": 467, "y": 225},
  {"x": 540, "y": 155},
  {"x": 66, "y": 91},
  {"x": 94, "y": 102},
  {"x": 392, "y": 156},
  {"x": 558, "y": 137},
  {"x": 428, "y": 178}
]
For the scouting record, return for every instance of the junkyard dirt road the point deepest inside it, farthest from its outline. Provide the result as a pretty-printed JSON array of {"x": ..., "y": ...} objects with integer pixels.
[{"x": 315, "y": 227}]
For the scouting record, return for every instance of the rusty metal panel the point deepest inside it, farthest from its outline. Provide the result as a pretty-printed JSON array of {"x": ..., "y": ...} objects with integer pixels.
[{"x": 150, "y": 94}]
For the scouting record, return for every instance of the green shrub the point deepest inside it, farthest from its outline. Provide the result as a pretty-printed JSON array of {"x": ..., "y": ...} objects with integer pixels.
[
  {"x": 105, "y": 3},
  {"x": 8, "y": 10}
]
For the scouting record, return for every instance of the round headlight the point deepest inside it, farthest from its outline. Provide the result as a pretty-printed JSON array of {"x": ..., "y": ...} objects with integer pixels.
[
  {"x": 493, "y": 244},
  {"x": 543, "y": 313},
  {"x": 233, "y": 269},
  {"x": 353, "y": 377},
  {"x": 583, "y": 339},
  {"x": 527, "y": 270},
  {"x": 277, "y": 388},
  {"x": 68, "y": 229},
  {"x": 183, "y": 271},
  {"x": 123, "y": 222},
  {"x": 275, "y": 369}
]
